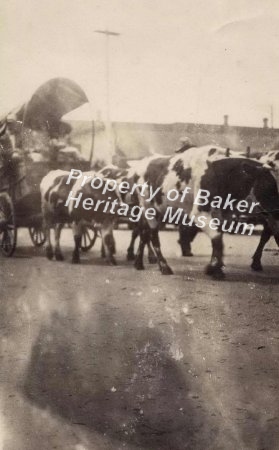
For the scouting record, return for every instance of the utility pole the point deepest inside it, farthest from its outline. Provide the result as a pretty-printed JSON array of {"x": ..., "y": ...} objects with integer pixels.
[
  {"x": 108, "y": 34},
  {"x": 271, "y": 116}
]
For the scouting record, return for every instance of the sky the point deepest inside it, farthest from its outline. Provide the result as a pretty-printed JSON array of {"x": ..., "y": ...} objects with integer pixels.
[{"x": 174, "y": 61}]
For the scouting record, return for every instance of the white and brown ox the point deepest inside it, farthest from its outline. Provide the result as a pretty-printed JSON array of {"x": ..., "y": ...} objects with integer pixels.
[
  {"x": 131, "y": 175},
  {"x": 135, "y": 170},
  {"x": 225, "y": 179},
  {"x": 55, "y": 188}
]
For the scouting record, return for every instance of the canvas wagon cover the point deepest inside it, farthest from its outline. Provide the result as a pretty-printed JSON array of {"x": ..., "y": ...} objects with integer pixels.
[
  {"x": 41, "y": 116},
  {"x": 51, "y": 101}
]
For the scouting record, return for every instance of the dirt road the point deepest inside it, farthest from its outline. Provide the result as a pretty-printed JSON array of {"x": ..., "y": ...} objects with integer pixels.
[{"x": 105, "y": 358}]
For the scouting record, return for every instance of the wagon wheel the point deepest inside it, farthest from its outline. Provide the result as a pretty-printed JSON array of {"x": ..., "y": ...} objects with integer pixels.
[
  {"x": 37, "y": 236},
  {"x": 88, "y": 238},
  {"x": 8, "y": 231}
]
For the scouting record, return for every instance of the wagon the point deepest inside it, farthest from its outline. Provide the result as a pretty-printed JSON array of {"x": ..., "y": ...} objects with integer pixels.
[{"x": 21, "y": 174}]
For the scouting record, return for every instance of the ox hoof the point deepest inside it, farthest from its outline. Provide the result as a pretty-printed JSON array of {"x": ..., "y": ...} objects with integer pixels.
[
  {"x": 215, "y": 272},
  {"x": 112, "y": 261},
  {"x": 75, "y": 259},
  {"x": 49, "y": 253},
  {"x": 166, "y": 270},
  {"x": 139, "y": 265},
  {"x": 218, "y": 275},
  {"x": 59, "y": 257},
  {"x": 187, "y": 253},
  {"x": 131, "y": 257},
  {"x": 256, "y": 266},
  {"x": 152, "y": 259}
]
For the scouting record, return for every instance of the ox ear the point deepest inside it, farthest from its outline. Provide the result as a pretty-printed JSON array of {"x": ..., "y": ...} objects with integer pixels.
[{"x": 270, "y": 165}]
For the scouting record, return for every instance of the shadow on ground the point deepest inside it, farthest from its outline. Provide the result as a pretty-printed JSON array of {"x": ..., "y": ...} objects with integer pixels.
[{"x": 116, "y": 378}]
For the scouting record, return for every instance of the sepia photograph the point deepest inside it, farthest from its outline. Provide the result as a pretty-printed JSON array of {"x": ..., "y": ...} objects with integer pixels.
[{"x": 139, "y": 225}]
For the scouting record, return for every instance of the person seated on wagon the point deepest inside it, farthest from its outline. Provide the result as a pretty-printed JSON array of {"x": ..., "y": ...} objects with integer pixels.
[
  {"x": 12, "y": 167},
  {"x": 185, "y": 144},
  {"x": 61, "y": 149},
  {"x": 10, "y": 157}
]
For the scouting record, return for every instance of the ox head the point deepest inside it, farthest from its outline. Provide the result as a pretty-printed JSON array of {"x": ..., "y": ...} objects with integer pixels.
[
  {"x": 265, "y": 190},
  {"x": 114, "y": 172},
  {"x": 271, "y": 161},
  {"x": 244, "y": 178}
]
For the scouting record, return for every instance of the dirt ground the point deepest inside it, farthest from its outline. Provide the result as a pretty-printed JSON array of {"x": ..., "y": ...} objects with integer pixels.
[{"x": 104, "y": 358}]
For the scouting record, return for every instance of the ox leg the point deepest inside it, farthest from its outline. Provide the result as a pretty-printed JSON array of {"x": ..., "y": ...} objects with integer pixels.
[
  {"x": 186, "y": 236},
  {"x": 77, "y": 233},
  {"x": 57, "y": 249},
  {"x": 216, "y": 264},
  {"x": 163, "y": 265},
  {"x": 215, "y": 267},
  {"x": 113, "y": 248},
  {"x": 108, "y": 241},
  {"x": 265, "y": 236},
  {"x": 152, "y": 258},
  {"x": 47, "y": 229},
  {"x": 103, "y": 253},
  {"x": 130, "y": 250},
  {"x": 144, "y": 240}
]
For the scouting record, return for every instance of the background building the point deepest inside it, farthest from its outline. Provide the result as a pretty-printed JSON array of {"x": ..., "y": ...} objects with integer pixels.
[{"x": 136, "y": 140}]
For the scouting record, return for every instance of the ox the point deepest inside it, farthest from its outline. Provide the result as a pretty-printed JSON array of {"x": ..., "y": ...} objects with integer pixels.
[
  {"x": 131, "y": 174},
  {"x": 55, "y": 188},
  {"x": 208, "y": 169},
  {"x": 188, "y": 233}
]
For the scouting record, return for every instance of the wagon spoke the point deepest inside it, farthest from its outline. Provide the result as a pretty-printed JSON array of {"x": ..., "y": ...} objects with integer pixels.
[
  {"x": 37, "y": 236},
  {"x": 89, "y": 235}
]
